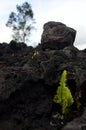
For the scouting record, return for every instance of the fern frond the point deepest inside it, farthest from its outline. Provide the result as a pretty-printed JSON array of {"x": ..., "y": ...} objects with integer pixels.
[{"x": 63, "y": 95}]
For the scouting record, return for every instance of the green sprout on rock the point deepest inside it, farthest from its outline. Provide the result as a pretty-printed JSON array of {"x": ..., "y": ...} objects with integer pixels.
[
  {"x": 78, "y": 96},
  {"x": 35, "y": 54},
  {"x": 63, "y": 94}
]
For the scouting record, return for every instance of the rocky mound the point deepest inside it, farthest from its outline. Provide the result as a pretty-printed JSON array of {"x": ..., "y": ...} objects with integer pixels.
[{"x": 29, "y": 78}]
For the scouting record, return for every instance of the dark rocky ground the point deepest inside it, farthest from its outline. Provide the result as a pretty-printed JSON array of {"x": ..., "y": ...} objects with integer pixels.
[{"x": 28, "y": 85}]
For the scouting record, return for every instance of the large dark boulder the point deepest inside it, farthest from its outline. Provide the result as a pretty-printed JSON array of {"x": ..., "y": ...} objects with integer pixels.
[{"x": 57, "y": 35}]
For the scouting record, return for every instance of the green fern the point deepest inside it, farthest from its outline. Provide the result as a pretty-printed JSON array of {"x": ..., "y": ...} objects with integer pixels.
[
  {"x": 35, "y": 54},
  {"x": 77, "y": 99},
  {"x": 63, "y": 95}
]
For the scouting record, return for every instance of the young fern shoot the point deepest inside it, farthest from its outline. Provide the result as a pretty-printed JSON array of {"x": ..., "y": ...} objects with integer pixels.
[{"x": 63, "y": 95}]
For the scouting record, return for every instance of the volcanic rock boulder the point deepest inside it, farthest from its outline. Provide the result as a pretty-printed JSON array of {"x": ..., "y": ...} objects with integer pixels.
[{"x": 57, "y": 35}]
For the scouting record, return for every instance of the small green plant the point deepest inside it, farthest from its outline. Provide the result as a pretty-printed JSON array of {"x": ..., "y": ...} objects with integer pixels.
[
  {"x": 63, "y": 95},
  {"x": 35, "y": 54},
  {"x": 77, "y": 99}
]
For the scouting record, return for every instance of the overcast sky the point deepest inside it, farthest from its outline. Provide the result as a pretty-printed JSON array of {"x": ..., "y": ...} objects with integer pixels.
[{"x": 70, "y": 12}]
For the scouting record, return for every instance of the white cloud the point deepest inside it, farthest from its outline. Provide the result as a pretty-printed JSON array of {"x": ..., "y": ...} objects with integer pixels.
[{"x": 5, "y": 34}]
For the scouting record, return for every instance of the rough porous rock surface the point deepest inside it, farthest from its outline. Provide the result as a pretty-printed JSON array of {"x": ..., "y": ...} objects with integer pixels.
[
  {"x": 57, "y": 35},
  {"x": 78, "y": 123},
  {"x": 28, "y": 84}
]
